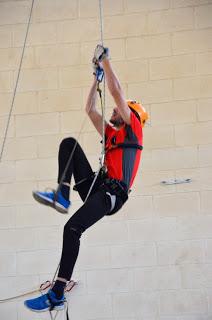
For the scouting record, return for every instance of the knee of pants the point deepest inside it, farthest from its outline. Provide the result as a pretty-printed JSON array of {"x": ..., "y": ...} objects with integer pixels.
[
  {"x": 72, "y": 229},
  {"x": 67, "y": 143}
]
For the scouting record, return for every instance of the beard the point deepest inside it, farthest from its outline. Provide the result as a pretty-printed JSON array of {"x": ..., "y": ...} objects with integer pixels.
[{"x": 117, "y": 122}]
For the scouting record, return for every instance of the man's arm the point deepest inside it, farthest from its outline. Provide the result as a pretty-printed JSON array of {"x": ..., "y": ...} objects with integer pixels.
[
  {"x": 91, "y": 110},
  {"x": 116, "y": 90}
]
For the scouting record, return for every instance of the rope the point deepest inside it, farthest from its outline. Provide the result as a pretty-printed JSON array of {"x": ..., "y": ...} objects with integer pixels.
[
  {"x": 102, "y": 101},
  {"x": 82, "y": 126},
  {"x": 16, "y": 83}
]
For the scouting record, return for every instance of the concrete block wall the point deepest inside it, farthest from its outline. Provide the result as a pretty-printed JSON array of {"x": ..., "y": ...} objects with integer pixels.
[{"x": 152, "y": 260}]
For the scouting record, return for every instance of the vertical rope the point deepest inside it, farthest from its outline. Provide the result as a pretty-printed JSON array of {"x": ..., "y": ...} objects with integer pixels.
[
  {"x": 102, "y": 104},
  {"x": 16, "y": 83}
]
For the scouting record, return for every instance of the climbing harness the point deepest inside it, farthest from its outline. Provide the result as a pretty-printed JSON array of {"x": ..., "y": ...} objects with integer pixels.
[{"x": 16, "y": 83}]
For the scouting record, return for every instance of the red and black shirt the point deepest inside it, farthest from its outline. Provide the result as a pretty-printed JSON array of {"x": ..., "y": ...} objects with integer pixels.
[{"x": 122, "y": 163}]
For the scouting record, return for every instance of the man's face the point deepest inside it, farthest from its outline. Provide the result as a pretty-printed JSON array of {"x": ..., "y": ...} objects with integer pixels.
[{"x": 116, "y": 118}]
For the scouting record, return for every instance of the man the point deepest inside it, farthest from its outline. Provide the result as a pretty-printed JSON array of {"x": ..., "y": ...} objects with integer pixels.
[{"x": 110, "y": 191}]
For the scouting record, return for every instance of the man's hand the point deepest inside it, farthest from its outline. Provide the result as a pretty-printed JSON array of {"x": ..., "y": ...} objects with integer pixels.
[
  {"x": 100, "y": 53},
  {"x": 97, "y": 70}
]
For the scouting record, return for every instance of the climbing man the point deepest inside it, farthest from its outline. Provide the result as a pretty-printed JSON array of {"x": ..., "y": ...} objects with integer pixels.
[{"x": 123, "y": 146}]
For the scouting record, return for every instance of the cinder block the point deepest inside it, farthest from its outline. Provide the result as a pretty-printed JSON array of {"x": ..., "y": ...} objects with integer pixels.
[
  {"x": 197, "y": 276},
  {"x": 39, "y": 34},
  {"x": 78, "y": 30},
  {"x": 148, "y": 46},
  {"x": 16, "y": 193},
  {"x": 192, "y": 88},
  {"x": 165, "y": 159},
  {"x": 200, "y": 179},
  {"x": 203, "y": 16},
  {"x": 57, "y": 55},
  {"x": 75, "y": 121},
  {"x": 48, "y": 146},
  {"x": 133, "y": 255},
  {"x": 149, "y": 183},
  {"x": 60, "y": 100},
  {"x": 174, "y": 112},
  {"x": 183, "y": 302},
  {"x": 11, "y": 128},
  {"x": 159, "y": 137},
  {"x": 5, "y": 102},
  {"x": 74, "y": 76},
  {"x": 191, "y": 41},
  {"x": 121, "y": 26},
  {"x": 135, "y": 304},
  {"x": 132, "y": 71},
  {"x": 208, "y": 255},
  {"x": 174, "y": 205},
  {"x": 187, "y": 3},
  {"x": 39, "y": 169},
  {"x": 107, "y": 233},
  {"x": 18, "y": 240},
  {"x": 134, "y": 5},
  {"x": 37, "y": 262},
  {"x": 49, "y": 238},
  {"x": 28, "y": 59},
  {"x": 157, "y": 278},
  {"x": 6, "y": 81},
  {"x": 101, "y": 305},
  {"x": 95, "y": 257},
  {"x": 205, "y": 178},
  {"x": 205, "y": 155},
  {"x": 181, "y": 252},
  {"x": 91, "y": 143},
  {"x": 38, "y": 79},
  {"x": 20, "y": 148},
  {"x": 8, "y": 264},
  {"x": 204, "y": 62},
  {"x": 91, "y": 8},
  {"x": 5, "y": 36},
  {"x": 7, "y": 217},
  {"x": 172, "y": 67},
  {"x": 35, "y": 215},
  {"x": 138, "y": 207},
  {"x": 108, "y": 281},
  {"x": 204, "y": 110},
  {"x": 171, "y": 20},
  {"x": 8, "y": 310},
  {"x": 7, "y": 172},
  {"x": 206, "y": 202},
  {"x": 26, "y": 102},
  {"x": 192, "y": 134},
  {"x": 151, "y": 92},
  {"x": 48, "y": 11},
  {"x": 13, "y": 12},
  {"x": 29, "y": 125},
  {"x": 152, "y": 230},
  {"x": 194, "y": 227},
  {"x": 25, "y": 283},
  {"x": 9, "y": 59}
]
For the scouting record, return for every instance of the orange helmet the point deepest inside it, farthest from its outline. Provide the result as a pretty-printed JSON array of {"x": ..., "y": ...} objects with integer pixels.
[{"x": 139, "y": 111}]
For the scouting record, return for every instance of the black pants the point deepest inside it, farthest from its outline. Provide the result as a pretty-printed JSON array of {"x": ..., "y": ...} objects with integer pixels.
[{"x": 96, "y": 207}]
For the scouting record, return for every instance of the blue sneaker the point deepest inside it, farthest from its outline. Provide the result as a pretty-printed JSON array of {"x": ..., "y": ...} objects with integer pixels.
[
  {"x": 48, "y": 198},
  {"x": 45, "y": 302}
]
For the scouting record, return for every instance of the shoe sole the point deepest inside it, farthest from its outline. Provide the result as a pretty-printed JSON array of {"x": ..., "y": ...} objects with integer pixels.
[
  {"x": 49, "y": 202},
  {"x": 57, "y": 308}
]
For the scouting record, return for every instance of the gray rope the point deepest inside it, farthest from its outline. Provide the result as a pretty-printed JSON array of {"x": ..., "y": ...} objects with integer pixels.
[
  {"x": 103, "y": 106},
  {"x": 16, "y": 83}
]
